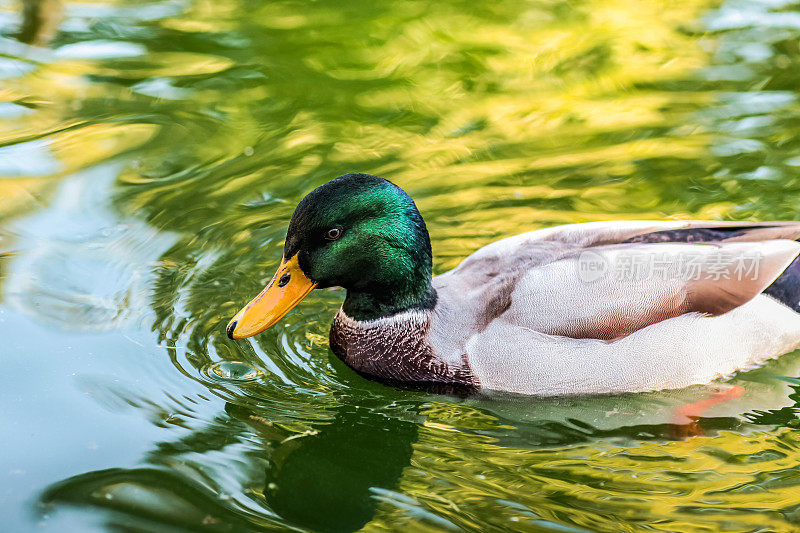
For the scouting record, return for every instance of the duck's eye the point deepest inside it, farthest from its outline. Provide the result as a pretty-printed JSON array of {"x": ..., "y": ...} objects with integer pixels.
[{"x": 333, "y": 234}]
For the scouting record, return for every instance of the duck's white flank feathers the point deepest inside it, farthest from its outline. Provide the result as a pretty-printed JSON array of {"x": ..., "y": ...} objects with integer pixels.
[{"x": 682, "y": 351}]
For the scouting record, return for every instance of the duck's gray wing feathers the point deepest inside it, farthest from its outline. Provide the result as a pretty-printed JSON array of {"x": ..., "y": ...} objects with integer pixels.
[
  {"x": 495, "y": 269},
  {"x": 609, "y": 292},
  {"x": 551, "y": 284}
]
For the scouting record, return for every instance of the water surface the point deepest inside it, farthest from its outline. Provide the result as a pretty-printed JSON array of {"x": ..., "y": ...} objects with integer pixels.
[{"x": 152, "y": 153}]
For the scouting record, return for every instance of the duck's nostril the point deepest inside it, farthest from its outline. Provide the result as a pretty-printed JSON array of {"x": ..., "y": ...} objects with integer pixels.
[
  {"x": 230, "y": 328},
  {"x": 284, "y": 280}
]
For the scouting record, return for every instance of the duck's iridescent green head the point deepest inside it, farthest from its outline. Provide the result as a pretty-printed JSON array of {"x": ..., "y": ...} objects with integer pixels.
[{"x": 359, "y": 232}]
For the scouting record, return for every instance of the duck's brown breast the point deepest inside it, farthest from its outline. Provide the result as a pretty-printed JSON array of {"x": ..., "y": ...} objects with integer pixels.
[{"x": 396, "y": 349}]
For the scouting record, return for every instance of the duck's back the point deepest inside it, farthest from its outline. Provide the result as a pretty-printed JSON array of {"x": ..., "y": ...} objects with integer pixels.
[{"x": 631, "y": 306}]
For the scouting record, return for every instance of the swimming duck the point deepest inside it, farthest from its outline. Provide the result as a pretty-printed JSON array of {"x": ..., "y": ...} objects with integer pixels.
[{"x": 597, "y": 307}]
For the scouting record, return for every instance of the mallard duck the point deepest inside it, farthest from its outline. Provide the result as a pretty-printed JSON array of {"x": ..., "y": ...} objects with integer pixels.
[{"x": 597, "y": 307}]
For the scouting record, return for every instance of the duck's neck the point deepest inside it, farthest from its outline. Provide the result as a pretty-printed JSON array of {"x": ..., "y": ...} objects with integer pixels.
[{"x": 380, "y": 302}]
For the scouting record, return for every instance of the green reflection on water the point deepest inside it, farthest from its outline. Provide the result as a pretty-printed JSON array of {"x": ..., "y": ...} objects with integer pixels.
[{"x": 150, "y": 159}]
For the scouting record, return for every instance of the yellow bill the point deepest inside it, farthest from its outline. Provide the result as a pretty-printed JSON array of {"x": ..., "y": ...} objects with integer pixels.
[{"x": 287, "y": 288}]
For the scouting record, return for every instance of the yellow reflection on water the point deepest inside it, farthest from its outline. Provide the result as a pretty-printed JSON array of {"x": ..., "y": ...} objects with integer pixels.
[{"x": 745, "y": 481}]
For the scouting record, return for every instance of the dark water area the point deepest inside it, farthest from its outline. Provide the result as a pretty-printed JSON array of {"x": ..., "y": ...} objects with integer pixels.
[{"x": 152, "y": 153}]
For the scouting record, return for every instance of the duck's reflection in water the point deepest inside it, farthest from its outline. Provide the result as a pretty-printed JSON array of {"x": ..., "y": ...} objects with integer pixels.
[{"x": 324, "y": 479}]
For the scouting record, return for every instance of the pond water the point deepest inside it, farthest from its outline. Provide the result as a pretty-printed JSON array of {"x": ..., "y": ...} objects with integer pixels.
[{"x": 152, "y": 153}]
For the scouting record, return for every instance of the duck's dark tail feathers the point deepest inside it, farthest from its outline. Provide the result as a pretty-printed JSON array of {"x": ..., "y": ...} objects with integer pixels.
[{"x": 786, "y": 288}]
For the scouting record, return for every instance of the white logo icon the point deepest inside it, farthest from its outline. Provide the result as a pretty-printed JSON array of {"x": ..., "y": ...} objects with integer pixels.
[{"x": 591, "y": 266}]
